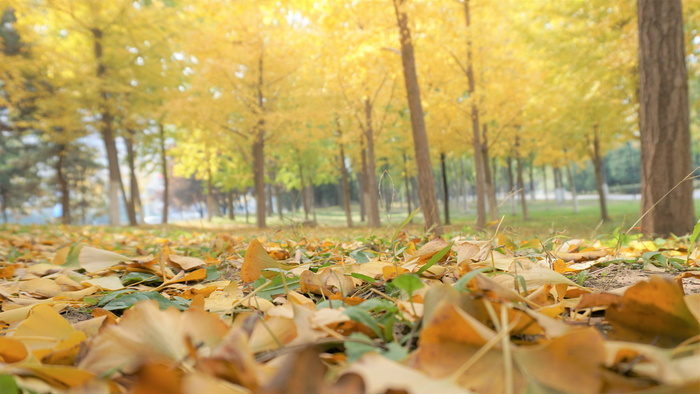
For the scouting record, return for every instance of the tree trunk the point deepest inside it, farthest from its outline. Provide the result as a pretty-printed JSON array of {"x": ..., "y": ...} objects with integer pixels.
[
  {"x": 488, "y": 178},
  {"x": 278, "y": 196},
  {"x": 231, "y": 208},
  {"x": 259, "y": 176},
  {"x": 544, "y": 182},
  {"x": 407, "y": 183},
  {"x": 134, "y": 201},
  {"x": 572, "y": 186},
  {"x": 362, "y": 179},
  {"x": 664, "y": 119},
  {"x": 164, "y": 171},
  {"x": 3, "y": 205},
  {"x": 521, "y": 184},
  {"x": 558, "y": 186},
  {"x": 344, "y": 180},
  {"x": 476, "y": 143},
  {"x": 304, "y": 192},
  {"x": 463, "y": 184},
  {"x": 106, "y": 131},
  {"x": 245, "y": 206},
  {"x": 63, "y": 185},
  {"x": 511, "y": 186},
  {"x": 426, "y": 181},
  {"x": 372, "y": 206},
  {"x": 445, "y": 191},
  {"x": 259, "y": 151},
  {"x": 599, "y": 178},
  {"x": 211, "y": 203},
  {"x": 532, "y": 179}
]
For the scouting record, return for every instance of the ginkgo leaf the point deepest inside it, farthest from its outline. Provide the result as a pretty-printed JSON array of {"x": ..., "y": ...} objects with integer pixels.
[
  {"x": 109, "y": 283},
  {"x": 255, "y": 260},
  {"x": 93, "y": 259},
  {"x": 186, "y": 263}
]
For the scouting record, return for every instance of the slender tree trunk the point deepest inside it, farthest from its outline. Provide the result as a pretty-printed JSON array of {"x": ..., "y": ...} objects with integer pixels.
[
  {"x": 476, "y": 143},
  {"x": 372, "y": 206},
  {"x": 268, "y": 194},
  {"x": 445, "y": 191},
  {"x": 544, "y": 182},
  {"x": 312, "y": 199},
  {"x": 599, "y": 178},
  {"x": 572, "y": 186},
  {"x": 532, "y": 180},
  {"x": 134, "y": 201},
  {"x": 279, "y": 192},
  {"x": 407, "y": 183},
  {"x": 259, "y": 151},
  {"x": 426, "y": 181},
  {"x": 63, "y": 185},
  {"x": 245, "y": 206},
  {"x": 664, "y": 119},
  {"x": 3, "y": 204},
  {"x": 304, "y": 192},
  {"x": 511, "y": 186},
  {"x": 463, "y": 184},
  {"x": 488, "y": 178},
  {"x": 231, "y": 208},
  {"x": 106, "y": 130},
  {"x": 521, "y": 184},
  {"x": 164, "y": 171},
  {"x": 362, "y": 179},
  {"x": 558, "y": 186},
  {"x": 211, "y": 202},
  {"x": 344, "y": 179},
  {"x": 259, "y": 177}
]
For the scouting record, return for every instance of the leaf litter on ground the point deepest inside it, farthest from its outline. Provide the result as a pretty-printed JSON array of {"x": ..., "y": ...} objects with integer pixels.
[{"x": 102, "y": 311}]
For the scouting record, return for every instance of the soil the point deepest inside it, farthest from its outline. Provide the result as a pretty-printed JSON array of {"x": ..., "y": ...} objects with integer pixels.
[
  {"x": 74, "y": 315},
  {"x": 618, "y": 275}
]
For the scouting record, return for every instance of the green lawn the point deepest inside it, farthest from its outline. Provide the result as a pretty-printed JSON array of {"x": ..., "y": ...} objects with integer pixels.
[{"x": 546, "y": 219}]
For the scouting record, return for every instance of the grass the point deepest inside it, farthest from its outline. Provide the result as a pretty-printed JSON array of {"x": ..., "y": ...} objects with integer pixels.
[{"x": 546, "y": 219}]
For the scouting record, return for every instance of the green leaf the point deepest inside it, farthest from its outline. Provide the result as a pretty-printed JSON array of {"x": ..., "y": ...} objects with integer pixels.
[
  {"x": 212, "y": 274},
  {"x": 461, "y": 284},
  {"x": 128, "y": 300},
  {"x": 436, "y": 257},
  {"x": 276, "y": 287},
  {"x": 364, "y": 317},
  {"x": 693, "y": 238},
  {"x": 363, "y": 277},
  {"x": 8, "y": 385},
  {"x": 111, "y": 296},
  {"x": 355, "y": 350},
  {"x": 408, "y": 283},
  {"x": 395, "y": 352},
  {"x": 139, "y": 277},
  {"x": 361, "y": 256}
]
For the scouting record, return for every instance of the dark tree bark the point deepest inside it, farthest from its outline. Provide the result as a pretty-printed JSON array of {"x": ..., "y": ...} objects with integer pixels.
[
  {"x": 407, "y": 184},
  {"x": 134, "y": 201},
  {"x": 426, "y": 181},
  {"x": 532, "y": 179},
  {"x": 488, "y": 178},
  {"x": 164, "y": 171},
  {"x": 344, "y": 178},
  {"x": 63, "y": 185},
  {"x": 511, "y": 184},
  {"x": 664, "y": 119},
  {"x": 521, "y": 184},
  {"x": 245, "y": 206},
  {"x": 362, "y": 180},
  {"x": 304, "y": 193},
  {"x": 544, "y": 182},
  {"x": 476, "y": 143},
  {"x": 372, "y": 206},
  {"x": 106, "y": 130},
  {"x": 597, "y": 159},
  {"x": 558, "y": 186},
  {"x": 259, "y": 151},
  {"x": 211, "y": 202},
  {"x": 445, "y": 190},
  {"x": 572, "y": 186},
  {"x": 231, "y": 209}
]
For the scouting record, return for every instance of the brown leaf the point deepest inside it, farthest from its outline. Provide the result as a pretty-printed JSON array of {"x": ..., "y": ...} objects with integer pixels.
[
  {"x": 425, "y": 252},
  {"x": 570, "y": 363},
  {"x": 653, "y": 312}
]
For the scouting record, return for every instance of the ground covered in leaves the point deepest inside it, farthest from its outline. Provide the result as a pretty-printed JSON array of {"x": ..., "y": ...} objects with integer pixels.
[{"x": 93, "y": 310}]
